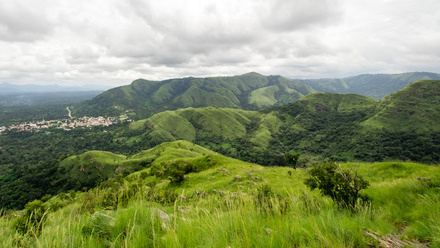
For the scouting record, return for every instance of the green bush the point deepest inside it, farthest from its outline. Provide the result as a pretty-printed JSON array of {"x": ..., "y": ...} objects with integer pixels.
[
  {"x": 33, "y": 218},
  {"x": 341, "y": 185}
]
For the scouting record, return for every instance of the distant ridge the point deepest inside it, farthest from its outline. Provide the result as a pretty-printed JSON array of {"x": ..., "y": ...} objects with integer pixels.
[
  {"x": 376, "y": 86},
  {"x": 250, "y": 91}
]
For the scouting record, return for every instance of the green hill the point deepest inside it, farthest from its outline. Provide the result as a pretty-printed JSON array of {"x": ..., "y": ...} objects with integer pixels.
[
  {"x": 334, "y": 126},
  {"x": 320, "y": 126},
  {"x": 415, "y": 108},
  {"x": 223, "y": 202},
  {"x": 93, "y": 167},
  {"x": 206, "y": 124},
  {"x": 247, "y": 91},
  {"x": 372, "y": 85}
]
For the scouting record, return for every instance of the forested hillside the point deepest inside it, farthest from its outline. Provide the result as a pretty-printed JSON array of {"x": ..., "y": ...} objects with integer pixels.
[
  {"x": 319, "y": 126},
  {"x": 333, "y": 126},
  {"x": 250, "y": 91}
]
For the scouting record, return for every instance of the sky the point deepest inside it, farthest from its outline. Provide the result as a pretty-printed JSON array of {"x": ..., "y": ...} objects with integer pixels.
[{"x": 113, "y": 42}]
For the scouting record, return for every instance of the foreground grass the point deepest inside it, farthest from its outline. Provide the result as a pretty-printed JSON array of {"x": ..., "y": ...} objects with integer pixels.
[{"x": 225, "y": 206}]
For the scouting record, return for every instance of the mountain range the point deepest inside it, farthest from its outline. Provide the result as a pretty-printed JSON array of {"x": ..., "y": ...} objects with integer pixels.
[
  {"x": 153, "y": 181},
  {"x": 251, "y": 91},
  {"x": 337, "y": 126}
]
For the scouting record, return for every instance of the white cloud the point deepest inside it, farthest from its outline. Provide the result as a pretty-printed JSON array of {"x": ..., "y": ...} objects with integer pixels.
[{"x": 114, "y": 42}]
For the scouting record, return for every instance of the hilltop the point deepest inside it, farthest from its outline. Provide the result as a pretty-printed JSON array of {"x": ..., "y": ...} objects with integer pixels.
[{"x": 93, "y": 167}]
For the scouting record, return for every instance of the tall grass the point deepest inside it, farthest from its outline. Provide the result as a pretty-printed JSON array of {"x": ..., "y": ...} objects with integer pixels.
[{"x": 251, "y": 217}]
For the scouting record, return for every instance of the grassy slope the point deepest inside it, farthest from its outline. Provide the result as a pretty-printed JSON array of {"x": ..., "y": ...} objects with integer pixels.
[
  {"x": 93, "y": 167},
  {"x": 209, "y": 123},
  {"x": 231, "y": 124},
  {"x": 218, "y": 207},
  {"x": 414, "y": 108}
]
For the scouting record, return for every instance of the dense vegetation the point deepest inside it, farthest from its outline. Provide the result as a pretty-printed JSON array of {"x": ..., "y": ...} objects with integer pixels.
[
  {"x": 250, "y": 91},
  {"x": 225, "y": 202},
  {"x": 125, "y": 186},
  {"x": 334, "y": 126},
  {"x": 30, "y": 161},
  {"x": 247, "y": 91},
  {"x": 324, "y": 126}
]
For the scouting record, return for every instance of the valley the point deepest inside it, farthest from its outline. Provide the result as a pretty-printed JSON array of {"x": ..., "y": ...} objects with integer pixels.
[{"x": 211, "y": 155}]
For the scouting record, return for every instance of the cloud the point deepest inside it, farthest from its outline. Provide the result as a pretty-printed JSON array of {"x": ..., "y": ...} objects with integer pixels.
[
  {"x": 301, "y": 14},
  {"x": 18, "y": 22},
  {"x": 115, "y": 42}
]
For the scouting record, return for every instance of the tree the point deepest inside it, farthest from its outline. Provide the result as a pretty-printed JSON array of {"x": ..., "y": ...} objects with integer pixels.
[
  {"x": 292, "y": 159},
  {"x": 341, "y": 185}
]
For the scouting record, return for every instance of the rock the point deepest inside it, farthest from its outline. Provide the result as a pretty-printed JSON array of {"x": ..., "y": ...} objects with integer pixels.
[
  {"x": 268, "y": 230},
  {"x": 225, "y": 171},
  {"x": 164, "y": 219},
  {"x": 119, "y": 170},
  {"x": 237, "y": 177}
]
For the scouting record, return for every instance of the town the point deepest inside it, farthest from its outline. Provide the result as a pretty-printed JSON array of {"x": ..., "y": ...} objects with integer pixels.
[{"x": 65, "y": 124}]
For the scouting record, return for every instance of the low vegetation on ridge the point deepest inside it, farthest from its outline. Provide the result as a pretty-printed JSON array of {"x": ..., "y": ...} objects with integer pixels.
[{"x": 231, "y": 203}]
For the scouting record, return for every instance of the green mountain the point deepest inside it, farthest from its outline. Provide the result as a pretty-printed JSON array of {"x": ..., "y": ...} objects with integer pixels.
[
  {"x": 250, "y": 91},
  {"x": 372, "y": 85},
  {"x": 247, "y": 91},
  {"x": 334, "y": 126},
  {"x": 320, "y": 126},
  {"x": 415, "y": 108}
]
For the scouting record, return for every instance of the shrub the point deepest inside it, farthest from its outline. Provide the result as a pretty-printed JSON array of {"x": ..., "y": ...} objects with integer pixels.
[
  {"x": 88, "y": 202},
  {"x": 292, "y": 159},
  {"x": 35, "y": 214},
  {"x": 341, "y": 185}
]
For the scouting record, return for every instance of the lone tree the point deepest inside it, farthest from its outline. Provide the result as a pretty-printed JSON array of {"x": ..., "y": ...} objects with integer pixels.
[
  {"x": 292, "y": 159},
  {"x": 341, "y": 185}
]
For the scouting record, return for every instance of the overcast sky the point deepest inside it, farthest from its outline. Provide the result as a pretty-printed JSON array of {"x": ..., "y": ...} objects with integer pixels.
[{"x": 113, "y": 42}]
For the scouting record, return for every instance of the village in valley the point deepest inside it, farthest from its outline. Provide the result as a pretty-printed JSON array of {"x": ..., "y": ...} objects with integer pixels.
[{"x": 66, "y": 124}]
